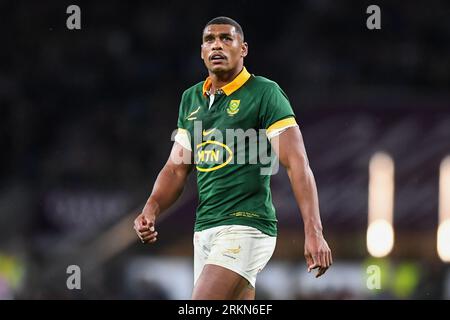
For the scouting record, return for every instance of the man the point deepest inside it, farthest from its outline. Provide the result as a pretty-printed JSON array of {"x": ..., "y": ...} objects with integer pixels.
[{"x": 235, "y": 229}]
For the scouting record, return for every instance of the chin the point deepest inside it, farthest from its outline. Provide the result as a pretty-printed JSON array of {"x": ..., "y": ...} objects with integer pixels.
[{"x": 219, "y": 69}]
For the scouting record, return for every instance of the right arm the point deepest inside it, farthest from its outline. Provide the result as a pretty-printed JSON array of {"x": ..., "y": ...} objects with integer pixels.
[{"x": 166, "y": 190}]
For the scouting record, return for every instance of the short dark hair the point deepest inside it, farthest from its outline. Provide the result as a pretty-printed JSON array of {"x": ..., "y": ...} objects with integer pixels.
[{"x": 226, "y": 20}]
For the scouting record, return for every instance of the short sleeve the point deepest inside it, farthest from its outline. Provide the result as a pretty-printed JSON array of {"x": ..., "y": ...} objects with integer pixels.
[{"x": 276, "y": 114}]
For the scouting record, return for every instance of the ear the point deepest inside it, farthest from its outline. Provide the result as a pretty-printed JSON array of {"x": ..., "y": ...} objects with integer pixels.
[
  {"x": 244, "y": 49},
  {"x": 201, "y": 51}
]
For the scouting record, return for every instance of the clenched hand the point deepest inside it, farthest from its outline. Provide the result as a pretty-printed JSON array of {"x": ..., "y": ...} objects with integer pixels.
[
  {"x": 144, "y": 225},
  {"x": 317, "y": 254}
]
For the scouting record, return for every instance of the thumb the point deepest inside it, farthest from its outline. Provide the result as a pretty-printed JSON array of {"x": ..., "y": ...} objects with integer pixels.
[
  {"x": 151, "y": 225},
  {"x": 313, "y": 265}
]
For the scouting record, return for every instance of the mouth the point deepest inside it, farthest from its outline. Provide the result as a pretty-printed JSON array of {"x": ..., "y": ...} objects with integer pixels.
[{"x": 217, "y": 58}]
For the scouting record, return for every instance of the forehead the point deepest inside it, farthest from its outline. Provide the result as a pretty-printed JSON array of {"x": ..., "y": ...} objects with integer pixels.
[{"x": 216, "y": 29}]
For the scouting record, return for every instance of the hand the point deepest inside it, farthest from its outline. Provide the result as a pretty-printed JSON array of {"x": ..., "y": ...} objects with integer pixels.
[
  {"x": 317, "y": 254},
  {"x": 144, "y": 225}
]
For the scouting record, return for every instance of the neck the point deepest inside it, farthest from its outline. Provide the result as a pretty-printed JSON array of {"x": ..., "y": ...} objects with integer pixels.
[{"x": 222, "y": 79}]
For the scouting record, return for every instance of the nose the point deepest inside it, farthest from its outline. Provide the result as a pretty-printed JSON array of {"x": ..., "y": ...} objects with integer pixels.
[{"x": 217, "y": 45}]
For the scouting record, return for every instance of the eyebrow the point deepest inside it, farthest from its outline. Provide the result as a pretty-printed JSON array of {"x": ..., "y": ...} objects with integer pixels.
[{"x": 210, "y": 34}]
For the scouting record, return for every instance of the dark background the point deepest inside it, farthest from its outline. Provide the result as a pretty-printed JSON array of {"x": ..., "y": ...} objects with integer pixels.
[{"x": 86, "y": 118}]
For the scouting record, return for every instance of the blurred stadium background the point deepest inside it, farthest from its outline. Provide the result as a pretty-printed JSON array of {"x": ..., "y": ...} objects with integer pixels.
[{"x": 86, "y": 119}]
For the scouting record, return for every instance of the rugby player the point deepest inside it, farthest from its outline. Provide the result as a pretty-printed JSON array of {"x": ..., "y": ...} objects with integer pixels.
[{"x": 236, "y": 226}]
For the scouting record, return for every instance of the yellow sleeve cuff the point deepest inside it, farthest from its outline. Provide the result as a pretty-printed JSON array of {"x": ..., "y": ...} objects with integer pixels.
[{"x": 282, "y": 124}]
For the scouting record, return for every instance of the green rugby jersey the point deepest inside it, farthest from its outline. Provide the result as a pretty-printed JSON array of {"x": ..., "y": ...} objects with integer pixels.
[{"x": 231, "y": 188}]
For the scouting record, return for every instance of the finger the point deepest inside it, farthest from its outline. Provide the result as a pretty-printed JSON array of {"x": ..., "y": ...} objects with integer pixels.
[
  {"x": 321, "y": 272},
  {"x": 150, "y": 224},
  {"x": 147, "y": 227},
  {"x": 324, "y": 260},
  {"x": 139, "y": 223},
  {"x": 319, "y": 260},
  {"x": 145, "y": 234},
  {"x": 142, "y": 229},
  {"x": 145, "y": 239},
  {"x": 309, "y": 264},
  {"x": 308, "y": 260},
  {"x": 328, "y": 258},
  {"x": 150, "y": 237},
  {"x": 314, "y": 264},
  {"x": 312, "y": 267},
  {"x": 142, "y": 239},
  {"x": 331, "y": 257},
  {"x": 153, "y": 240}
]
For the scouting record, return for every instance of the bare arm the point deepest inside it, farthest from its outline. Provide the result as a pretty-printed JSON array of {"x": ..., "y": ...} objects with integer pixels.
[
  {"x": 166, "y": 190},
  {"x": 292, "y": 154}
]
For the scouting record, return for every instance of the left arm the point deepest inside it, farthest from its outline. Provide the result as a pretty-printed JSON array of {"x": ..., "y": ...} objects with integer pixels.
[{"x": 291, "y": 151}]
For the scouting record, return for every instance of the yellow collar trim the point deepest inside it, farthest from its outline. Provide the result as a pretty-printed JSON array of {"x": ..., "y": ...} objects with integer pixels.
[{"x": 232, "y": 86}]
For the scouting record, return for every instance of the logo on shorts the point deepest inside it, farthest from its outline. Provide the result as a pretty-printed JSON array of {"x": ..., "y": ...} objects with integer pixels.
[{"x": 233, "y": 250}]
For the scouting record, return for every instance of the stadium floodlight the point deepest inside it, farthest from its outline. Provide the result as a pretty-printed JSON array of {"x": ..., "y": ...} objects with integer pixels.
[
  {"x": 443, "y": 233},
  {"x": 380, "y": 233}
]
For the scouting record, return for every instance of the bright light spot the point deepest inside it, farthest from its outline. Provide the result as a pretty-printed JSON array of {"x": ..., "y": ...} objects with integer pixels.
[
  {"x": 443, "y": 236},
  {"x": 443, "y": 241},
  {"x": 380, "y": 238},
  {"x": 381, "y": 187},
  {"x": 380, "y": 233}
]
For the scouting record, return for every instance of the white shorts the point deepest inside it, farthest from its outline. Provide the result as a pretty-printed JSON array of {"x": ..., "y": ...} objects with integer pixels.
[{"x": 244, "y": 250}]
